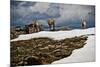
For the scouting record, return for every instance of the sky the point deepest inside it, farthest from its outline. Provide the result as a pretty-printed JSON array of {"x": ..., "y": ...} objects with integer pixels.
[{"x": 23, "y": 12}]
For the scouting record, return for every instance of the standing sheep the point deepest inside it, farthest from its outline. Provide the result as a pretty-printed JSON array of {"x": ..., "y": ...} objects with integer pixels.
[{"x": 51, "y": 23}]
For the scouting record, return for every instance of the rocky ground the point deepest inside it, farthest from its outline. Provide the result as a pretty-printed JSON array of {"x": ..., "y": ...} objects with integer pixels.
[{"x": 39, "y": 51}]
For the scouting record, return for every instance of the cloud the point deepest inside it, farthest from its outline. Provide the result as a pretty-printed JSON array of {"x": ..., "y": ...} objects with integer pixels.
[
  {"x": 24, "y": 12},
  {"x": 74, "y": 12}
]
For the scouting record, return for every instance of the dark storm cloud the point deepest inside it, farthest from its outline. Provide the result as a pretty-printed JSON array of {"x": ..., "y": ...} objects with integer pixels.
[{"x": 25, "y": 12}]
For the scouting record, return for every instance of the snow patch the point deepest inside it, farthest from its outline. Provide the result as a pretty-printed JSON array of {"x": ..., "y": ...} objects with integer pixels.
[
  {"x": 56, "y": 35},
  {"x": 85, "y": 54}
]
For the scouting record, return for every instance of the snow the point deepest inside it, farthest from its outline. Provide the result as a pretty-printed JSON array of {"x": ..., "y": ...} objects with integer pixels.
[
  {"x": 56, "y": 35},
  {"x": 85, "y": 54}
]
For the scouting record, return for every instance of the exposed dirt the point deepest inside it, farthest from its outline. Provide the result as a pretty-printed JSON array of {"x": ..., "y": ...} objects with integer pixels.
[{"x": 39, "y": 51}]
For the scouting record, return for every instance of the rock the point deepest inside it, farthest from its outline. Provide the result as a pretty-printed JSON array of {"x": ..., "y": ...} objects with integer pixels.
[
  {"x": 51, "y": 46},
  {"x": 38, "y": 51},
  {"x": 33, "y": 60},
  {"x": 39, "y": 45},
  {"x": 58, "y": 46}
]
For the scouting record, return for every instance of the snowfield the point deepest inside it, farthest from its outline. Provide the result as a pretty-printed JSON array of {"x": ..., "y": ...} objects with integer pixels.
[
  {"x": 85, "y": 54},
  {"x": 56, "y": 35}
]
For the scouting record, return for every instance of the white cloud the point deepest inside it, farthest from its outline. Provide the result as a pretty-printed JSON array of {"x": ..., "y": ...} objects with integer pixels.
[
  {"x": 40, "y": 7},
  {"x": 70, "y": 12}
]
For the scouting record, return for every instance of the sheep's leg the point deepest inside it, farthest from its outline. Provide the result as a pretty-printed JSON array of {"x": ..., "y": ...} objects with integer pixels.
[{"x": 50, "y": 27}]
